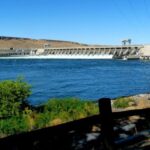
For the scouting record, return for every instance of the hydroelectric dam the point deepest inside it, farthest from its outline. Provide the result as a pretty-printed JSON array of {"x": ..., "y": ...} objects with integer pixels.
[{"x": 114, "y": 51}]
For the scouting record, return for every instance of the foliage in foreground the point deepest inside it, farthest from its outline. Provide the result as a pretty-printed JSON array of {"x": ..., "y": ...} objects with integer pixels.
[
  {"x": 58, "y": 111},
  {"x": 55, "y": 111},
  {"x": 12, "y": 95}
]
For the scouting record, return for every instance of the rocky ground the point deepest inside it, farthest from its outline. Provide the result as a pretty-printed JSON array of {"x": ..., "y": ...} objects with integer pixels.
[
  {"x": 135, "y": 125},
  {"x": 140, "y": 101}
]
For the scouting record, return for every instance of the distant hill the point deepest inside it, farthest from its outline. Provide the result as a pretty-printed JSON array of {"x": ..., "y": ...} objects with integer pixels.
[{"x": 16, "y": 42}]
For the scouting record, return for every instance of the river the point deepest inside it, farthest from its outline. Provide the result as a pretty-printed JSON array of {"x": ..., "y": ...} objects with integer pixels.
[{"x": 85, "y": 79}]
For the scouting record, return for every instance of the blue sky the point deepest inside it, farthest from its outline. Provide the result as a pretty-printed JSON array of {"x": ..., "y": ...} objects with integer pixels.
[{"x": 85, "y": 21}]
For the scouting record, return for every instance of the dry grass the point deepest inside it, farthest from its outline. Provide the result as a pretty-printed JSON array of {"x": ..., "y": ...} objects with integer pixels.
[
  {"x": 140, "y": 101},
  {"x": 30, "y": 43}
]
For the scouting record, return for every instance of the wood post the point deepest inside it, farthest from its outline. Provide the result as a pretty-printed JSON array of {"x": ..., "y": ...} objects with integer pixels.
[{"x": 107, "y": 123}]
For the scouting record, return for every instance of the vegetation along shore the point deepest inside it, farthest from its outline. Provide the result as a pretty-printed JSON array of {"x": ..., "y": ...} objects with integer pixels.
[{"x": 17, "y": 115}]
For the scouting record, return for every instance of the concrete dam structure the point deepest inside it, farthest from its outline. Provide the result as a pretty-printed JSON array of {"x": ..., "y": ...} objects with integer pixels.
[
  {"x": 115, "y": 51},
  {"x": 85, "y": 52}
]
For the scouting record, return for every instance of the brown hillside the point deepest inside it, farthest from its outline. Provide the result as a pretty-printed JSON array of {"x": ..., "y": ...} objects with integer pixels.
[{"x": 9, "y": 42}]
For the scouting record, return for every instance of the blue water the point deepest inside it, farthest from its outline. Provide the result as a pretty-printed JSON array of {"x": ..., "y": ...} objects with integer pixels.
[{"x": 85, "y": 79}]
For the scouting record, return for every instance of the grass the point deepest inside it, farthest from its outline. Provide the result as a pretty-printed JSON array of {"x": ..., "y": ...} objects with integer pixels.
[
  {"x": 54, "y": 112},
  {"x": 122, "y": 102}
]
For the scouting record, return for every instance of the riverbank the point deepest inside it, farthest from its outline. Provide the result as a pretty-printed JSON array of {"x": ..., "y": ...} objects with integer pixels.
[
  {"x": 17, "y": 115},
  {"x": 138, "y": 101},
  {"x": 89, "y": 137},
  {"x": 58, "y": 111}
]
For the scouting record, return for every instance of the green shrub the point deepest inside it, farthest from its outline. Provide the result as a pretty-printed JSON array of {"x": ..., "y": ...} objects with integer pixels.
[
  {"x": 68, "y": 109},
  {"x": 42, "y": 120},
  {"x": 55, "y": 111},
  {"x": 122, "y": 102},
  {"x": 13, "y": 125},
  {"x": 12, "y": 95}
]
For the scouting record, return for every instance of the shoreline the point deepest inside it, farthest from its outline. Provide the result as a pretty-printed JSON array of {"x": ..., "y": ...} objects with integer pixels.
[{"x": 138, "y": 101}]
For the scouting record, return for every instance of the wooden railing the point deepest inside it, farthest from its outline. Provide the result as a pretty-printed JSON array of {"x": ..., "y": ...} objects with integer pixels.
[{"x": 61, "y": 136}]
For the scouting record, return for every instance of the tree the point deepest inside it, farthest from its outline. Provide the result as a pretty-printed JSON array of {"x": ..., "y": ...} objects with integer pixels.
[{"x": 13, "y": 94}]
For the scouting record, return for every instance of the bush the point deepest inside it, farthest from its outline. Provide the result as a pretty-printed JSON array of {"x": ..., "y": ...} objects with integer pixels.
[
  {"x": 13, "y": 125},
  {"x": 122, "y": 102},
  {"x": 54, "y": 112},
  {"x": 69, "y": 109},
  {"x": 12, "y": 95}
]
